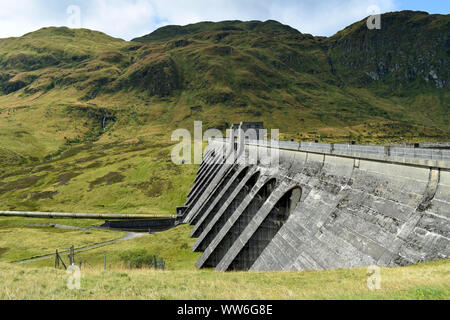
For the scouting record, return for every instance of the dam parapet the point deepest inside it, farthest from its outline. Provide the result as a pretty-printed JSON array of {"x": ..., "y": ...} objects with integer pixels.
[
  {"x": 394, "y": 154},
  {"x": 319, "y": 206}
]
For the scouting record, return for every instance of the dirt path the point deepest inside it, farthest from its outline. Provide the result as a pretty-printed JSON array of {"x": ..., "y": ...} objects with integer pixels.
[{"x": 128, "y": 236}]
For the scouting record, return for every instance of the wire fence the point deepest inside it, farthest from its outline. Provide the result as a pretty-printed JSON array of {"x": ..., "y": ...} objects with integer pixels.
[{"x": 132, "y": 262}]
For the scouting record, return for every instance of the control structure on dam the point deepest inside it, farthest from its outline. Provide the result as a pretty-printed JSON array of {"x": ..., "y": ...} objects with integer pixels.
[{"x": 310, "y": 206}]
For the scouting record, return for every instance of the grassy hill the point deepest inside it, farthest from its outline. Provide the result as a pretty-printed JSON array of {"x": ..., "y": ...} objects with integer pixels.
[{"x": 86, "y": 119}]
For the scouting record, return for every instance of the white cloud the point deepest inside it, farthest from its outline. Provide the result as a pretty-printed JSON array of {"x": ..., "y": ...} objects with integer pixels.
[
  {"x": 308, "y": 16},
  {"x": 20, "y": 16},
  {"x": 120, "y": 18},
  {"x": 326, "y": 18},
  {"x": 132, "y": 18}
]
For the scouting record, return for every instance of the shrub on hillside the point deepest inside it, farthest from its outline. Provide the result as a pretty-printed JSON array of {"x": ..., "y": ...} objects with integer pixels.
[{"x": 140, "y": 258}]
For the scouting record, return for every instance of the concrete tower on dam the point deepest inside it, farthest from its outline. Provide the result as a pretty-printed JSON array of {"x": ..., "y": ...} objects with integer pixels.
[{"x": 305, "y": 206}]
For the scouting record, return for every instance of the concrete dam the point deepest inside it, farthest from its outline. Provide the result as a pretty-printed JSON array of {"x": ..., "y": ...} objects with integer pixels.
[{"x": 318, "y": 206}]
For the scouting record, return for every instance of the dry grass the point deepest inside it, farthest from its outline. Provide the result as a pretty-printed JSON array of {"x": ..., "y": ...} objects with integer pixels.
[
  {"x": 424, "y": 281},
  {"x": 24, "y": 243},
  {"x": 181, "y": 280},
  {"x": 174, "y": 246}
]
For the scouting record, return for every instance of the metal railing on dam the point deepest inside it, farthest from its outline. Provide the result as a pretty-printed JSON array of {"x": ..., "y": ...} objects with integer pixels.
[{"x": 439, "y": 158}]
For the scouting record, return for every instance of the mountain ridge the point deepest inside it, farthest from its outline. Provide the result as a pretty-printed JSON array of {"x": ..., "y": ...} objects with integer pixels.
[
  {"x": 86, "y": 119},
  {"x": 235, "y": 64},
  {"x": 172, "y": 31}
]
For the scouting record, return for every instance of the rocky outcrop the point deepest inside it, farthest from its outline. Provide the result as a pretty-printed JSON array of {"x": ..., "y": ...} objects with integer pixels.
[{"x": 409, "y": 47}]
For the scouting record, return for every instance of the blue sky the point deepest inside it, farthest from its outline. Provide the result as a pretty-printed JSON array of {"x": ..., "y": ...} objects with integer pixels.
[{"x": 132, "y": 18}]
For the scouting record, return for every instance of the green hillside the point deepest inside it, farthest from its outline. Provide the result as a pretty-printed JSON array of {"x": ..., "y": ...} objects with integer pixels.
[{"x": 86, "y": 119}]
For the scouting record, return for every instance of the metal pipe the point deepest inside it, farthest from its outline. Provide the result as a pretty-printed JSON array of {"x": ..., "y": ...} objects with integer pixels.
[{"x": 99, "y": 216}]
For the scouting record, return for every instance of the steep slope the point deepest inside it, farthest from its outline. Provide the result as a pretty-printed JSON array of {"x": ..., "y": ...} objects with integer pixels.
[
  {"x": 398, "y": 73},
  {"x": 411, "y": 49},
  {"x": 81, "y": 111}
]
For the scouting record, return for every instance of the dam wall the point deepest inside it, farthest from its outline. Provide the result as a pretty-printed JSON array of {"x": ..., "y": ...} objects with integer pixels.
[{"x": 318, "y": 206}]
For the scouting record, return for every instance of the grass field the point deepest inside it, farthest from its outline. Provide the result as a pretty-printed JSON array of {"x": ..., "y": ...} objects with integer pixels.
[
  {"x": 174, "y": 246},
  {"x": 132, "y": 177},
  {"x": 424, "y": 281},
  {"x": 181, "y": 279},
  {"x": 8, "y": 222},
  {"x": 22, "y": 239}
]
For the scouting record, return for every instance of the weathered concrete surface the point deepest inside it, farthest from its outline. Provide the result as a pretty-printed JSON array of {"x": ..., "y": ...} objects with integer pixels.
[{"x": 364, "y": 206}]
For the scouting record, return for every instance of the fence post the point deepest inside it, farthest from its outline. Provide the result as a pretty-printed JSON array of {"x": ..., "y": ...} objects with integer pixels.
[
  {"x": 62, "y": 261},
  {"x": 72, "y": 255},
  {"x": 105, "y": 262},
  {"x": 56, "y": 260}
]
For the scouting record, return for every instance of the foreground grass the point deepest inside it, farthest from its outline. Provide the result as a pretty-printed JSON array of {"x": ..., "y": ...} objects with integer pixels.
[
  {"x": 424, "y": 281},
  {"x": 181, "y": 280},
  {"x": 8, "y": 222},
  {"x": 20, "y": 243},
  {"x": 174, "y": 246}
]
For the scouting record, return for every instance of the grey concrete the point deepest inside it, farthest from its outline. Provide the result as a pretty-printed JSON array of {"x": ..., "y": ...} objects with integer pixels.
[
  {"x": 214, "y": 171},
  {"x": 233, "y": 201},
  {"x": 359, "y": 206},
  {"x": 219, "y": 200},
  {"x": 206, "y": 189},
  {"x": 230, "y": 231},
  {"x": 214, "y": 197}
]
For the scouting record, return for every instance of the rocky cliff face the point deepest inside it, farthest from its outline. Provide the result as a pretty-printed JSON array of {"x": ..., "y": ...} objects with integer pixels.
[{"x": 410, "y": 47}]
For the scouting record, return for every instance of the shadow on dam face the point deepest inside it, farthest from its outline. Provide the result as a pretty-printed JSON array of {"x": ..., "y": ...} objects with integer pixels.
[
  {"x": 215, "y": 194},
  {"x": 239, "y": 226},
  {"x": 209, "y": 210},
  {"x": 204, "y": 179},
  {"x": 277, "y": 217},
  {"x": 227, "y": 213}
]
